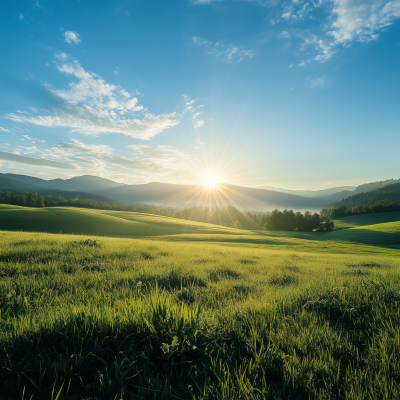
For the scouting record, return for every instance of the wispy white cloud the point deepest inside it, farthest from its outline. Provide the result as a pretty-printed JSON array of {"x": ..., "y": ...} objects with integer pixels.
[
  {"x": 342, "y": 23},
  {"x": 71, "y": 37},
  {"x": 38, "y": 162},
  {"x": 92, "y": 106},
  {"x": 78, "y": 147},
  {"x": 360, "y": 20},
  {"x": 193, "y": 109},
  {"x": 203, "y": 1},
  {"x": 228, "y": 53},
  {"x": 348, "y": 22},
  {"x": 321, "y": 81},
  {"x": 4, "y": 129},
  {"x": 199, "y": 123},
  {"x": 33, "y": 140},
  {"x": 325, "y": 48},
  {"x": 297, "y": 11},
  {"x": 146, "y": 161}
]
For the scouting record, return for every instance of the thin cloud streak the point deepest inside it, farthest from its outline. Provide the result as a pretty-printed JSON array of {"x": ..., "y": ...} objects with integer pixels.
[
  {"x": 227, "y": 53},
  {"x": 37, "y": 162}
]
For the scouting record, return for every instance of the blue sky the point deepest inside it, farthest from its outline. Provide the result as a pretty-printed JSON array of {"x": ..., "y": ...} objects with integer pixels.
[{"x": 293, "y": 94}]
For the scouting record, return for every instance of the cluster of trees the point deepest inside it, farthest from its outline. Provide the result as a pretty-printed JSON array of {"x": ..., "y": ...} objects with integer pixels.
[
  {"x": 390, "y": 192},
  {"x": 287, "y": 220},
  {"x": 376, "y": 207}
]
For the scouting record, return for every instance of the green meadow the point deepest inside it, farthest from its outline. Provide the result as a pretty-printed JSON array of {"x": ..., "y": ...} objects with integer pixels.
[{"x": 118, "y": 305}]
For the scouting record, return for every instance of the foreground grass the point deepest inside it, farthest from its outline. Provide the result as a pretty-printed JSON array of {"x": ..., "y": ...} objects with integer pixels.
[{"x": 137, "y": 319}]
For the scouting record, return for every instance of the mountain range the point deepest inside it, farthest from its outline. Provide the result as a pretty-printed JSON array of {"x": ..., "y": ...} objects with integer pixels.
[{"x": 173, "y": 195}]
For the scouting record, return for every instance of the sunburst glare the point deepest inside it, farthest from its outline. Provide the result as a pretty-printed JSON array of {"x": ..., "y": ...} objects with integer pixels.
[{"x": 211, "y": 181}]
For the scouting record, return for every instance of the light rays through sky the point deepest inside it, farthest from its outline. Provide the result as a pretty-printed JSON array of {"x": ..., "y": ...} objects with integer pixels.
[{"x": 293, "y": 94}]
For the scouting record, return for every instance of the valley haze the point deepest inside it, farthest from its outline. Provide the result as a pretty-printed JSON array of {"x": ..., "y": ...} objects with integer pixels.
[{"x": 174, "y": 195}]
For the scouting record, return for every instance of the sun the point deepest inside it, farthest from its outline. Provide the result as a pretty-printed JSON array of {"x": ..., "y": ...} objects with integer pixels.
[{"x": 211, "y": 181}]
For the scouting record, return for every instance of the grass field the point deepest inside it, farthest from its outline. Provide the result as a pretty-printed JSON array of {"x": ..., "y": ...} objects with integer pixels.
[
  {"x": 362, "y": 239},
  {"x": 366, "y": 219},
  {"x": 205, "y": 313}
]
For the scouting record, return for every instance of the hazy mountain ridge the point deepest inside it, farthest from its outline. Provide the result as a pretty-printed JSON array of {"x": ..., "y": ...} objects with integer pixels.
[
  {"x": 175, "y": 195},
  {"x": 8, "y": 184},
  {"x": 85, "y": 183},
  {"x": 312, "y": 193}
]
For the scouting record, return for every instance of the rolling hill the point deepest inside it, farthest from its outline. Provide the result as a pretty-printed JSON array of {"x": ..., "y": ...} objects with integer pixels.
[
  {"x": 356, "y": 221},
  {"x": 378, "y": 237}
]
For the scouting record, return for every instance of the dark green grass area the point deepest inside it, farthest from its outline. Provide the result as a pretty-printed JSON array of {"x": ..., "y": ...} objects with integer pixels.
[
  {"x": 366, "y": 219},
  {"x": 109, "y": 318}
]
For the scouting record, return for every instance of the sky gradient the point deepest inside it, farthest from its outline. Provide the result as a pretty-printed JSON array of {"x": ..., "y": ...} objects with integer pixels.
[{"x": 291, "y": 94}]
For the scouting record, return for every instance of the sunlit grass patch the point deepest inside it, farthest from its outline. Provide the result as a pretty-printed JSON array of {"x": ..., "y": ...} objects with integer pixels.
[{"x": 107, "y": 322}]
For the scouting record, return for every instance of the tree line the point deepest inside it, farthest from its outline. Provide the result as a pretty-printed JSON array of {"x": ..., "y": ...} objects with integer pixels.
[
  {"x": 380, "y": 206},
  {"x": 287, "y": 220}
]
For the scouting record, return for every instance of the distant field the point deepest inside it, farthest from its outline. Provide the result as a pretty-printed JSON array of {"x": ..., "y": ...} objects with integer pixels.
[{"x": 115, "y": 318}]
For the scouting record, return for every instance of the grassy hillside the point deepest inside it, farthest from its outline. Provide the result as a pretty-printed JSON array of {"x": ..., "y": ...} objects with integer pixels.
[
  {"x": 124, "y": 319},
  {"x": 103, "y": 223},
  {"x": 140, "y": 225},
  {"x": 366, "y": 219}
]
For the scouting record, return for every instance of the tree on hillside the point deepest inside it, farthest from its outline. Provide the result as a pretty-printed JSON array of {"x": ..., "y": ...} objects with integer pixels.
[{"x": 237, "y": 225}]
